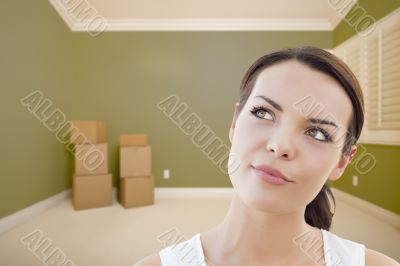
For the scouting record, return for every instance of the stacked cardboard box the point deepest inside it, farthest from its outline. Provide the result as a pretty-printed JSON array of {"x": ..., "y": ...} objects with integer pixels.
[
  {"x": 136, "y": 186},
  {"x": 91, "y": 182}
]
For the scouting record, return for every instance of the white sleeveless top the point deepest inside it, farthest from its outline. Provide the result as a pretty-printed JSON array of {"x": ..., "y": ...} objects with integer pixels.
[{"x": 337, "y": 252}]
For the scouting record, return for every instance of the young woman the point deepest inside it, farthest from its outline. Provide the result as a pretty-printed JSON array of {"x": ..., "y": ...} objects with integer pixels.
[{"x": 295, "y": 126}]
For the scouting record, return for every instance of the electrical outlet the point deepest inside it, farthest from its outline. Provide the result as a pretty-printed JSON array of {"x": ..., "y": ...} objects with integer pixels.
[
  {"x": 355, "y": 180},
  {"x": 166, "y": 174}
]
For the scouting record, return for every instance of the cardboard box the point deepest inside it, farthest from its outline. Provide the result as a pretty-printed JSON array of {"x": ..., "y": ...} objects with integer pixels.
[
  {"x": 132, "y": 140},
  {"x": 91, "y": 191},
  {"x": 91, "y": 159},
  {"x": 136, "y": 191},
  {"x": 135, "y": 161},
  {"x": 88, "y": 131}
]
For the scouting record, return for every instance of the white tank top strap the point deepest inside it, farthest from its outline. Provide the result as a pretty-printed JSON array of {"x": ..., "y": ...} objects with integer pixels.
[
  {"x": 185, "y": 253},
  {"x": 337, "y": 252},
  {"x": 342, "y": 252}
]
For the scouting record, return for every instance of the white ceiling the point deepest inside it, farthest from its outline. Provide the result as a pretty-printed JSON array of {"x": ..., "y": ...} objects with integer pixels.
[{"x": 231, "y": 14}]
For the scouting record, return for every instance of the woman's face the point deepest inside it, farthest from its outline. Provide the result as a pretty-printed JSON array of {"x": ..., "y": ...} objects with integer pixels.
[{"x": 286, "y": 140}]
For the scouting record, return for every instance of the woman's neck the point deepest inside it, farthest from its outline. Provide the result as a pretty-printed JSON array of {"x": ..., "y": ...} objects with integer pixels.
[{"x": 251, "y": 235}]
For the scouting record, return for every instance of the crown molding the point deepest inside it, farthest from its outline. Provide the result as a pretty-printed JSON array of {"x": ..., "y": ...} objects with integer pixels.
[
  {"x": 76, "y": 24},
  {"x": 335, "y": 20},
  {"x": 65, "y": 15},
  {"x": 208, "y": 25},
  {"x": 340, "y": 13}
]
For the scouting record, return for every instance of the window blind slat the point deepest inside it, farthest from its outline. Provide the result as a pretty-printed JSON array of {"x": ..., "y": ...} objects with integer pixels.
[{"x": 375, "y": 60}]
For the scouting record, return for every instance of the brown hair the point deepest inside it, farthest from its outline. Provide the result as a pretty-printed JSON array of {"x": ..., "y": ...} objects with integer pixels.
[{"x": 318, "y": 213}]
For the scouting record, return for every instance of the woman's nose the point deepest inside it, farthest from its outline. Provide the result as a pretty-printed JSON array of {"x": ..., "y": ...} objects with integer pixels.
[{"x": 280, "y": 145}]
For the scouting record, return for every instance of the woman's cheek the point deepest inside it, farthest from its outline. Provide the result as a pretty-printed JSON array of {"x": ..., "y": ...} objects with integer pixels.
[
  {"x": 315, "y": 174},
  {"x": 312, "y": 162},
  {"x": 243, "y": 139}
]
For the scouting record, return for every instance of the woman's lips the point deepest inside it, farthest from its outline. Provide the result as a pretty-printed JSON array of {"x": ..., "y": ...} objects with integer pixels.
[{"x": 270, "y": 175}]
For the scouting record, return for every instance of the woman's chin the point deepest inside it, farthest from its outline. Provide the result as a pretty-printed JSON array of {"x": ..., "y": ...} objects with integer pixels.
[{"x": 258, "y": 199}]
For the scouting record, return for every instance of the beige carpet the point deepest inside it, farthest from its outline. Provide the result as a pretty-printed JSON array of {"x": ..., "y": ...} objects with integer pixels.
[{"x": 114, "y": 236}]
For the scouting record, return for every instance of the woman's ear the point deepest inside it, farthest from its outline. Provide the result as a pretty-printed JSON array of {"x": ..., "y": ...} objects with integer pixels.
[
  {"x": 233, "y": 124},
  {"x": 344, "y": 160}
]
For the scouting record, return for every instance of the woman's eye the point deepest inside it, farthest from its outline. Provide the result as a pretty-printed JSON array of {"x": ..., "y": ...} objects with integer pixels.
[
  {"x": 261, "y": 113},
  {"x": 320, "y": 134}
]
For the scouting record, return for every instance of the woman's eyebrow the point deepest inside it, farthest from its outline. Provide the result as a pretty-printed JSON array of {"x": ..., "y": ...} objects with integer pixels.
[
  {"x": 279, "y": 108},
  {"x": 322, "y": 121},
  {"x": 271, "y": 102}
]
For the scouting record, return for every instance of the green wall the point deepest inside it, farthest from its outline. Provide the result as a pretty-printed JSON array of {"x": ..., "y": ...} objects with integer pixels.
[
  {"x": 119, "y": 77},
  {"x": 36, "y": 53},
  {"x": 127, "y": 74},
  {"x": 378, "y": 171},
  {"x": 380, "y": 186},
  {"x": 376, "y": 9}
]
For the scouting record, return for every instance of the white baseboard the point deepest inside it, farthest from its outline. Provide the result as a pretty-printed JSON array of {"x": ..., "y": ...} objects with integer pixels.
[
  {"x": 177, "y": 193},
  {"x": 162, "y": 193},
  {"x": 380, "y": 213},
  {"x": 21, "y": 216}
]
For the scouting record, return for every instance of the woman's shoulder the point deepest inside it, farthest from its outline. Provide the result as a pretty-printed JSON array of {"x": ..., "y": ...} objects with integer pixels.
[
  {"x": 347, "y": 248},
  {"x": 373, "y": 257},
  {"x": 172, "y": 254},
  {"x": 151, "y": 260}
]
